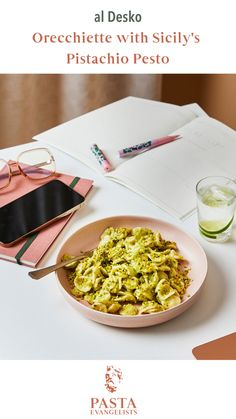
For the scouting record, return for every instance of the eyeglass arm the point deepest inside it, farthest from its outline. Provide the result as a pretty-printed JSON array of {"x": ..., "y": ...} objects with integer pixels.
[{"x": 44, "y": 163}]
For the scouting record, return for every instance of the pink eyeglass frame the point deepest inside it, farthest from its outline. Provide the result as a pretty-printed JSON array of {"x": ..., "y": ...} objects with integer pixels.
[{"x": 14, "y": 168}]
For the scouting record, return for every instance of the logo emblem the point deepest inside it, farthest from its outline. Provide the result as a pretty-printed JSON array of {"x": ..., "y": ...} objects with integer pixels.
[{"x": 113, "y": 378}]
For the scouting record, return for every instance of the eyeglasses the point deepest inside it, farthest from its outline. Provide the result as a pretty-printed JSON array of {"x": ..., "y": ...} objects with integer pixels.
[{"x": 35, "y": 164}]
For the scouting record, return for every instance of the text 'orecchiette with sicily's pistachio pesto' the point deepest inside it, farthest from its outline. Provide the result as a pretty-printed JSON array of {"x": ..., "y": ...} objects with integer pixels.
[{"x": 132, "y": 271}]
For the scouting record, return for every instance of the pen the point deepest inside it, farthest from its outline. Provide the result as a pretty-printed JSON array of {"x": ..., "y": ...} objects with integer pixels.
[
  {"x": 101, "y": 158},
  {"x": 147, "y": 145}
]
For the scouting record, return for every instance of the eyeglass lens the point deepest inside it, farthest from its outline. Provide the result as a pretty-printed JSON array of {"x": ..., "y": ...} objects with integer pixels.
[
  {"x": 4, "y": 174},
  {"x": 37, "y": 164}
]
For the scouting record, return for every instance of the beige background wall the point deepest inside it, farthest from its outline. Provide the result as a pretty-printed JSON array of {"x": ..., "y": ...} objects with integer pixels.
[
  {"x": 216, "y": 93},
  {"x": 31, "y": 103}
]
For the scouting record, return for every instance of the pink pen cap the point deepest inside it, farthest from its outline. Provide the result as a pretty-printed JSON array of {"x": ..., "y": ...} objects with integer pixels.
[{"x": 107, "y": 166}]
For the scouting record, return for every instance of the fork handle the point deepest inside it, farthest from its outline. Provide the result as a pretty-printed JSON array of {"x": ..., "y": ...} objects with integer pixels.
[{"x": 40, "y": 273}]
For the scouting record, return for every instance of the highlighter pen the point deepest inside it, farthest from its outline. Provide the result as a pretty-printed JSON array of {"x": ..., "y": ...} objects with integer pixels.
[
  {"x": 147, "y": 145},
  {"x": 101, "y": 158}
]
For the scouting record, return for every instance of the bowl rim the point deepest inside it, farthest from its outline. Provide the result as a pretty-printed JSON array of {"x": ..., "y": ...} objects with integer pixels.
[{"x": 138, "y": 316}]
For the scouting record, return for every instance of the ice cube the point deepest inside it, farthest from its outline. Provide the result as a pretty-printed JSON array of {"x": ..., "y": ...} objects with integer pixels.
[
  {"x": 221, "y": 193},
  {"x": 217, "y": 195}
]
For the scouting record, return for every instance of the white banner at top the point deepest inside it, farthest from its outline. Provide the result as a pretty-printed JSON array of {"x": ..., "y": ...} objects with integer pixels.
[{"x": 117, "y": 37}]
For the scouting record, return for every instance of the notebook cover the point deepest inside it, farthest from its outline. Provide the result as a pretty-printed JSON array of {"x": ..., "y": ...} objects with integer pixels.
[
  {"x": 223, "y": 348},
  {"x": 30, "y": 251}
]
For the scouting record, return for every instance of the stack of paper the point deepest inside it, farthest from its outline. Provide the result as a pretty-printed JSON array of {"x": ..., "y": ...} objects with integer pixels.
[{"x": 166, "y": 175}]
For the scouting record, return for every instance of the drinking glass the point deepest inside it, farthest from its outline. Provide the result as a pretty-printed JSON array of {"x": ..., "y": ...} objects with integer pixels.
[{"x": 216, "y": 200}]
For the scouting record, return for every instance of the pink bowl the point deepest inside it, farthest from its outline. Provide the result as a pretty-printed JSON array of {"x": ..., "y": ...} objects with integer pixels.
[{"x": 88, "y": 237}]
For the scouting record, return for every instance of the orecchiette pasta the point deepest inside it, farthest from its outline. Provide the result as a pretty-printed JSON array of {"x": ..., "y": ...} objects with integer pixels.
[{"x": 132, "y": 271}]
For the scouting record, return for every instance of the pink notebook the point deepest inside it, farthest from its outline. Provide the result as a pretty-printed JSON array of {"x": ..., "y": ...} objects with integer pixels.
[{"x": 30, "y": 251}]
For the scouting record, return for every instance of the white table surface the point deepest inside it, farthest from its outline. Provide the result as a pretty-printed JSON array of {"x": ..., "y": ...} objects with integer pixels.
[{"x": 36, "y": 322}]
